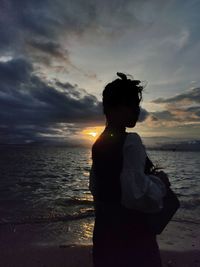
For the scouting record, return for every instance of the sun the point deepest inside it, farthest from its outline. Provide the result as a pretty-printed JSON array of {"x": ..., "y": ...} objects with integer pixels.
[
  {"x": 91, "y": 133},
  {"x": 94, "y": 134}
]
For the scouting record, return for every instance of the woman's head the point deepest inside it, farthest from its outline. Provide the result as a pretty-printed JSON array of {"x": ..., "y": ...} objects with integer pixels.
[{"x": 121, "y": 101}]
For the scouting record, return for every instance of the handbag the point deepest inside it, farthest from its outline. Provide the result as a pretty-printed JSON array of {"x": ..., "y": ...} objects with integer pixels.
[{"x": 158, "y": 221}]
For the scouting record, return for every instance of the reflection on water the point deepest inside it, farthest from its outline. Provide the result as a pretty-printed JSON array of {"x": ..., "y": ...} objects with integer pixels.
[{"x": 86, "y": 228}]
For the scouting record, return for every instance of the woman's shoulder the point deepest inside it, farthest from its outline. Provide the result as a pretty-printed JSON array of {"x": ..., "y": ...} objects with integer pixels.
[{"x": 133, "y": 139}]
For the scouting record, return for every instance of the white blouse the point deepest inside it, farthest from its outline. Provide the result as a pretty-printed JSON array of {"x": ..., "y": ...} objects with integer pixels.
[{"x": 139, "y": 191}]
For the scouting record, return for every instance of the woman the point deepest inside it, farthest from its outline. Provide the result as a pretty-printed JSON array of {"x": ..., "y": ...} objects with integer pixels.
[{"x": 121, "y": 184}]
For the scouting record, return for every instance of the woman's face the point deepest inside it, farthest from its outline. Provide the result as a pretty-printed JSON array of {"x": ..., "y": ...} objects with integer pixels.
[
  {"x": 130, "y": 115},
  {"x": 125, "y": 116}
]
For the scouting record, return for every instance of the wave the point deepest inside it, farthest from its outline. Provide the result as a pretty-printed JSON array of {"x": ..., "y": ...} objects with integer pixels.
[
  {"x": 25, "y": 184},
  {"x": 190, "y": 203},
  {"x": 185, "y": 221},
  {"x": 73, "y": 202},
  {"x": 87, "y": 213},
  {"x": 83, "y": 214}
]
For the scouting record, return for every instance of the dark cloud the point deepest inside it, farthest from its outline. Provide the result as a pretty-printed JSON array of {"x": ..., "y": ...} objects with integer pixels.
[
  {"x": 42, "y": 30},
  {"x": 27, "y": 102},
  {"x": 182, "y": 108},
  {"x": 51, "y": 48},
  {"x": 35, "y": 100},
  {"x": 162, "y": 115},
  {"x": 13, "y": 73},
  {"x": 194, "y": 110},
  {"x": 22, "y": 20},
  {"x": 50, "y": 20},
  {"x": 48, "y": 51},
  {"x": 191, "y": 96},
  {"x": 32, "y": 107},
  {"x": 143, "y": 114},
  {"x": 177, "y": 115},
  {"x": 36, "y": 29},
  {"x": 39, "y": 24}
]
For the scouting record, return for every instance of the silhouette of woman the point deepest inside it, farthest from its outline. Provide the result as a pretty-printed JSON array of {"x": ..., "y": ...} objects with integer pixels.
[{"x": 121, "y": 184}]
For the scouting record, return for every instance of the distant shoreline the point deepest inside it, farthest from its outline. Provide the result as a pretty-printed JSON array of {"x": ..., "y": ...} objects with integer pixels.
[{"x": 172, "y": 150}]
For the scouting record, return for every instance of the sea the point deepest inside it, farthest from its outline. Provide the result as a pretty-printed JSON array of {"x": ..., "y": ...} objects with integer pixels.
[{"x": 44, "y": 189}]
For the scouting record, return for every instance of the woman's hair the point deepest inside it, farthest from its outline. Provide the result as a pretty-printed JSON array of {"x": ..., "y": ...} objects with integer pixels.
[{"x": 120, "y": 92}]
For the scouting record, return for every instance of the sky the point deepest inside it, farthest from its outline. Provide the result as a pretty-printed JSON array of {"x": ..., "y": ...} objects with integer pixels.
[{"x": 56, "y": 56}]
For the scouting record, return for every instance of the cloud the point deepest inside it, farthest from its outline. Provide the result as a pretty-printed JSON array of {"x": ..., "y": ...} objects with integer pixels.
[
  {"x": 29, "y": 28},
  {"x": 36, "y": 100},
  {"x": 13, "y": 73},
  {"x": 182, "y": 109},
  {"x": 143, "y": 35},
  {"x": 191, "y": 96},
  {"x": 143, "y": 115},
  {"x": 33, "y": 108},
  {"x": 52, "y": 20},
  {"x": 83, "y": 42},
  {"x": 50, "y": 48},
  {"x": 162, "y": 115},
  {"x": 27, "y": 102}
]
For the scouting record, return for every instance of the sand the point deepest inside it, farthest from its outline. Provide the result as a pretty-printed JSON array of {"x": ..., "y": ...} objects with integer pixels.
[{"x": 179, "y": 245}]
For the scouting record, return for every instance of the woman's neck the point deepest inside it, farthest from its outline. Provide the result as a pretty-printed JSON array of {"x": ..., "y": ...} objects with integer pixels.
[{"x": 115, "y": 127}]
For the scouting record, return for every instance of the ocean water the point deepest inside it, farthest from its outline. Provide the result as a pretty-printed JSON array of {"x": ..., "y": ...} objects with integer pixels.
[{"x": 46, "y": 188}]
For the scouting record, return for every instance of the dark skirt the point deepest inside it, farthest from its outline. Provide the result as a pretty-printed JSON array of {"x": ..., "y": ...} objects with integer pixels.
[{"x": 124, "y": 242}]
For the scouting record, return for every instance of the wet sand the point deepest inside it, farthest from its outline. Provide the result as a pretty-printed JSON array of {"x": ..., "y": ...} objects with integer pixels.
[{"x": 179, "y": 245}]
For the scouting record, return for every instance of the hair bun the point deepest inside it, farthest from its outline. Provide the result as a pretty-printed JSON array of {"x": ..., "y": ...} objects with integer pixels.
[
  {"x": 122, "y": 75},
  {"x": 124, "y": 78}
]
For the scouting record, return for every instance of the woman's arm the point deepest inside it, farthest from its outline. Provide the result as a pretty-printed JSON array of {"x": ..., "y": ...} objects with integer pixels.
[{"x": 139, "y": 190}]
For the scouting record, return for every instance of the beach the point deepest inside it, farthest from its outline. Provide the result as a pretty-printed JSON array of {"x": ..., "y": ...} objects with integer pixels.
[{"x": 179, "y": 245}]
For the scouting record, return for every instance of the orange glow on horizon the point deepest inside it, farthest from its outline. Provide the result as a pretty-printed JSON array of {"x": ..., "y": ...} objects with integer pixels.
[{"x": 92, "y": 133}]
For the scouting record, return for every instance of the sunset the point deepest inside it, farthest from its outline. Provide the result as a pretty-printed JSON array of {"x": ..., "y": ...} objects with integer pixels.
[
  {"x": 99, "y": 129},
  {"x": 90, "y": 134}
]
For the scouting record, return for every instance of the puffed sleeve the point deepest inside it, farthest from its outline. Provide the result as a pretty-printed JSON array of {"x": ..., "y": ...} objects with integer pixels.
[{"x": 139, "y": 191}]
